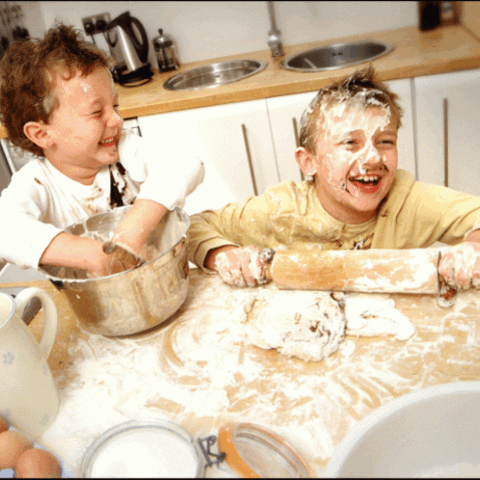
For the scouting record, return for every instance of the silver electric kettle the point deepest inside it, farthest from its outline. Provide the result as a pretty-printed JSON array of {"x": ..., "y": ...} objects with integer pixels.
[{"x": 128, "y": 50}]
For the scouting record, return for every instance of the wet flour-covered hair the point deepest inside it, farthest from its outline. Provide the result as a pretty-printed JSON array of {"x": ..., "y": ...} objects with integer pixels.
[
  {"x": 361, "y": 88},
  {"x": 27, "y": 77}
]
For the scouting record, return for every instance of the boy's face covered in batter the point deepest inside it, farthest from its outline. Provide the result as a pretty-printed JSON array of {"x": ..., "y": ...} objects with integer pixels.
[
  {"x": 355, "y": 160},
  {"x": 85, "y": 129}
]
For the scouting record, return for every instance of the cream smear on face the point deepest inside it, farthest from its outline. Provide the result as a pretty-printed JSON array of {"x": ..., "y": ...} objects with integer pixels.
[
  {"x": 347, "y": 116},
  {"x": 85, "y": 126}
]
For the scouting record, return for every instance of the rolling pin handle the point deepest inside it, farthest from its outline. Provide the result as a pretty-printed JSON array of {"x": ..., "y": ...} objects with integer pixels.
[
  {"x": 268, "y": 273},
  {"x": 446, "y": 297},
  {"x": 446, "y": 293},
  {"x": 267, "y": 255}
]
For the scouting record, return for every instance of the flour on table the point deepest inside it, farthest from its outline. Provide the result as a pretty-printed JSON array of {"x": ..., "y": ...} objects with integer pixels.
[
  {"x": 197, "y": 372},
  {"x": 368, "y": 316},
  {"x": 311, "y": 325},
  {"x": 298, "y": 324}
]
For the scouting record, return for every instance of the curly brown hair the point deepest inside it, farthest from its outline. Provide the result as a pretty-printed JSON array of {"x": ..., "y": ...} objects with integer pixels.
[
  {"x": 372, "y": 92},
  {"x": 27, "y": 78}
]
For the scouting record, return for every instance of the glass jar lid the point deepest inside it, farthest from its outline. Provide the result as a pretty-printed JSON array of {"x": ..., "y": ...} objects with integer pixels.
[
  {"x": 143, "y": 448},
  {"x": 254, "y": 452}
]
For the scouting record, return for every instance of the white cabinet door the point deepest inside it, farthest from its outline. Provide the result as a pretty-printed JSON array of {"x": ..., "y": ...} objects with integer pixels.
[
  {"x": 448, "y": 103},
  {"x": 406, "y": 137},
  {"x": 285, "y": 113},
  {"x": 233, "y": 140}
]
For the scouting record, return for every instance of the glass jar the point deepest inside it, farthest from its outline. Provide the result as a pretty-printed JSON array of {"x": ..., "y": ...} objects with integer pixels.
[
  {"x": 148, "y": 448},
  {"x": 162, "y": 449}
]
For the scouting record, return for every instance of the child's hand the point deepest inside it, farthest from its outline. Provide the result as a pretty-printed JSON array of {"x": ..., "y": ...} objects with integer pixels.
[
  {"x": 121, "y": 257},
  {"x": 242, "y": 267},
  {"x": 134, "y": 228},
  {"x": 460, "y": 265},
  {"x": 102, "y": 264},
  {"x": 68, "y": 250}
]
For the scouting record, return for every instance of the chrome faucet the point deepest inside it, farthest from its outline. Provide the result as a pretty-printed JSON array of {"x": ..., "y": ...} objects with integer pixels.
[{"x": 274, "y": 35}]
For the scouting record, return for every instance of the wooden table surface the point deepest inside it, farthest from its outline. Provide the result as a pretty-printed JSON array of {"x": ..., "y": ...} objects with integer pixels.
[{"x": 201, "y": 374}]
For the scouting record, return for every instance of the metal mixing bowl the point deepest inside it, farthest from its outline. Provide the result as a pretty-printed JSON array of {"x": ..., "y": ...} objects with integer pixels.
[{"x": 134, "y": 300}]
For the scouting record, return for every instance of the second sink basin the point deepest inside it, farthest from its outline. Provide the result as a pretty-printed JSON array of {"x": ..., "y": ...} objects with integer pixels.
[
  {"x": 336, "y": 56},
  {"x": 215, "y": 74}
]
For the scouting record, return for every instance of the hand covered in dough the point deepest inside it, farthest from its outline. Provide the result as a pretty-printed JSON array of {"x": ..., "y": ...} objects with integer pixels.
[
  {"x": 460, "y": 265},
  {"x": 241, "y": 267},
  {"x": 121, "y": 257}
]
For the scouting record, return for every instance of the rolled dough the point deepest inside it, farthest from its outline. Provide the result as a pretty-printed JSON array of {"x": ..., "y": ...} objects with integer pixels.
[
  {"x": 298, "y": 324},
  {"x": 368, "y": 316},
  {"x": 311, "y": 325}
]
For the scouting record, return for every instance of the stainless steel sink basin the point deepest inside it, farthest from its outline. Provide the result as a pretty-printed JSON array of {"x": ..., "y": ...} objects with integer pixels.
[
  {"x": 336, "y": 56},
  {"x": 215, "y": 74}
]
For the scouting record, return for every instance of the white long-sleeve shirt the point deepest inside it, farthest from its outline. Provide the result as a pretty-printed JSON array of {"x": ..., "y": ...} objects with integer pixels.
[{"x": 40, "y": 201}]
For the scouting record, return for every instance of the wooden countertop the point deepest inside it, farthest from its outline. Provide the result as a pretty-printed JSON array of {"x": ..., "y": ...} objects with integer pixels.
[
  {"x": 196, "y": 371},
  {"x": 416, "y": 53}
]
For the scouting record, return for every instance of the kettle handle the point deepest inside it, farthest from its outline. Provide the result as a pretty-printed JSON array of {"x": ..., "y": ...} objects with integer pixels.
[{"x": 142, "y": 48}]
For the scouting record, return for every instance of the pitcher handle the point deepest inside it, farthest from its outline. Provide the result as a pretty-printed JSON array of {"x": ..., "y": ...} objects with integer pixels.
[{"x": 51, "y": 316}]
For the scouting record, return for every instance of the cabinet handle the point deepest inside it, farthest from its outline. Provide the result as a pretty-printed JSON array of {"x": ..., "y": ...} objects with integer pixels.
[
  {"x": 297, "y": 142},
  {"x": 445, "y": 139},
  {"x": 249, "y": 158}
]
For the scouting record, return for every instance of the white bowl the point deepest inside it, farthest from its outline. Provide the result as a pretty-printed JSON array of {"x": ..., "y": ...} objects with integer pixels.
[{"x": 432, "y": 432}]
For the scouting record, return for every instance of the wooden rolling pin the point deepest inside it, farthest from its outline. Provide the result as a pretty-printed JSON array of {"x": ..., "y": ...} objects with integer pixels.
[{"x": 374, "y": 270}]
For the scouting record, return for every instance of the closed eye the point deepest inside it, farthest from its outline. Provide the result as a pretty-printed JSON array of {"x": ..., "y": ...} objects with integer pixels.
[
  {"x": 348, "y": 142},
  {"x": 350, "y": 145},
  {"x": 387, "y": 142}
]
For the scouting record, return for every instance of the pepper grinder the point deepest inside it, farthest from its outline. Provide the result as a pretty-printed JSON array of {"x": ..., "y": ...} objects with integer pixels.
[
  {"x": 429, "y": 15},
  {"x": 165, "y": 50}
]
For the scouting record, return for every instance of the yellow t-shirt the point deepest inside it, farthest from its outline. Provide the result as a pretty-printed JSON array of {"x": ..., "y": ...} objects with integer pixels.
[{"x": 290, "y": 216}]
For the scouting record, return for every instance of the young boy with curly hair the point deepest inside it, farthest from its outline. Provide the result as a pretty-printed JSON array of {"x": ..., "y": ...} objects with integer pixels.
[
  {"x": 57, "y": 101},
  {"x": 357, "y": 199}
]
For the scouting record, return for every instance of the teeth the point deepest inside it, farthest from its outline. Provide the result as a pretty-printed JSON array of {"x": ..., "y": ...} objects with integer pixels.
[
  {"x": 108, "y": 140},
  {"x": 367, "y": 178}
]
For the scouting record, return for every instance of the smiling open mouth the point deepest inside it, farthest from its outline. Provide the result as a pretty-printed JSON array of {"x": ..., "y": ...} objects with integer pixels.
[
  {"x": 107, "y": 141},
  {"x": 366, "y": 180}
]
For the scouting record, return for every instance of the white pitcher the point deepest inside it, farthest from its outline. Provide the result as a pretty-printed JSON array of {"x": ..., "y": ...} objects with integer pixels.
[{"x": 28, "y": 396}]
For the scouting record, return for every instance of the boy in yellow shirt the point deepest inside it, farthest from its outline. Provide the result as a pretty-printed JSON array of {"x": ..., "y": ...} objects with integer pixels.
[{"x": 357, "y": 198}]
